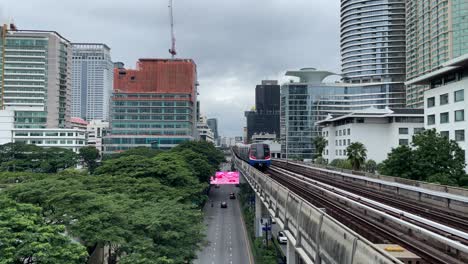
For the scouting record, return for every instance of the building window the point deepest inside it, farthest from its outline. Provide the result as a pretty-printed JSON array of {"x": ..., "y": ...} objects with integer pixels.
[
  {"x": 403, "y": 142},
  {"x": 460, "y": 135},
  {"x": 444, "y": 134},
  {"x": 444, "y": 99},
  {"x": 403, "y": 131},
  {"x": 430, "y": 102},
  {"x": 349, "y": 131},
  {"x": 431, "y": 119},
  {"x": 344, "y": 152},
  {"x": 459, "y": 95},
  {"x": 459, "y": 115},
  {"x": 418, "y": 130},
  {"x": 336, "y": 142},
  {"x": 340, "y": 152},
  {"x": 349, "y": 141},
  {"x": 340, "y": 132},
  {"x": 444, "y": 118},
  {"x": 336, "y": 133}
]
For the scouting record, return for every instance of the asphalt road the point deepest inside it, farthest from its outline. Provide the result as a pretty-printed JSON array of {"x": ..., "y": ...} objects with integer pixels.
[{"x": 226, "y": 234}]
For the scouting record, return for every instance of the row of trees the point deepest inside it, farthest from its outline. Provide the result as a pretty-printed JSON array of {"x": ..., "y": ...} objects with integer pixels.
[
  {"x": 143, "y": 207},
  {"x": 31, "y": 158},
  {"x": 430, "y": 157}
]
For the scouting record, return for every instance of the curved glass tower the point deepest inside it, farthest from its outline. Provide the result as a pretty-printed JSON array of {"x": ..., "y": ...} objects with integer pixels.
[{"x": 373, "y": 41}]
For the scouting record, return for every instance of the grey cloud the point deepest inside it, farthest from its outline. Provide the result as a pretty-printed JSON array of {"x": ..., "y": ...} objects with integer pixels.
[{"x": 235, "y": 44}]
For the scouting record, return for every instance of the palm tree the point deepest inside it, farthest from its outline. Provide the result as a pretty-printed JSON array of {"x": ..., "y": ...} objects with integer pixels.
[
  {"x": 319, "y": 143},
  {"x": 357, "y": 154}
]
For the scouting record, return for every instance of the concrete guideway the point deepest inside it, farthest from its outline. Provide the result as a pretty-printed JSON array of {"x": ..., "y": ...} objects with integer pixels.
[
  {"x": 313, "y": 236},
  {"x": 225, "y": 233}
]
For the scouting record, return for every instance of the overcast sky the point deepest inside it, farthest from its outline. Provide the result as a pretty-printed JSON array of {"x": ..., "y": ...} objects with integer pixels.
[{"x": 235, "y": 43}]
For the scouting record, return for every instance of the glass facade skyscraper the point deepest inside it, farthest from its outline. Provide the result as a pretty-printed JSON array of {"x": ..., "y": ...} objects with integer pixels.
[
  {"x": 92, "y": 81},
  {"x": 311, "y": 100},
  {"x": 437, "y": 31}
]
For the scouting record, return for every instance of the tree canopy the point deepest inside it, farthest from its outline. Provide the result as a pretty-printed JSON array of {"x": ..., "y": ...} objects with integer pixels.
[
  {"x": 25, "y": 157},
  {"x": 431, "y": 157},
  {"x": 146, "y": 208},
  {"x": 319, "y": 143}
]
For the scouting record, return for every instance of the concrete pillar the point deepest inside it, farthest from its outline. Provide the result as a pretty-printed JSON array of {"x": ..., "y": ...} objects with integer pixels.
[
  {"x": 290, "y": 254},
  {"x": 258, "y": 216}
]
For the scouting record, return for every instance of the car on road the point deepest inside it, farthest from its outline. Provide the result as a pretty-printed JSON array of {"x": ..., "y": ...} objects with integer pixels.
[
  {"x": 217, "y": 186},
  {"x": 282, "y": 239},
  {"x": 273, "y": 221},
  {"x": 232, "y": 196},
  {"x": 223, "y": 205}
]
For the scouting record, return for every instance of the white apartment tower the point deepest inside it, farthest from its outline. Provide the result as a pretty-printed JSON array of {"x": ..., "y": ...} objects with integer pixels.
[{"x": 92, "y": 81}]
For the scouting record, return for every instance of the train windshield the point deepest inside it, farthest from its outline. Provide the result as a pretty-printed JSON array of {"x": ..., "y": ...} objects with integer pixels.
[{"x": 260, "y": 151}]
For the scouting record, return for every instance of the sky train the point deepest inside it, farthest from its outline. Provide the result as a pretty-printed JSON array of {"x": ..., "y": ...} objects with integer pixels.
[{"x": 257, "y": 154}]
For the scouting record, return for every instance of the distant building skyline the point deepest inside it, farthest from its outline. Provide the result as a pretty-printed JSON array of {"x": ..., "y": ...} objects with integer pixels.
[{"x": 92, "y": 81}]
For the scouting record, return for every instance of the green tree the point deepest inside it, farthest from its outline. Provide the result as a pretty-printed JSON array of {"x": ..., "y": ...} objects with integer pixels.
[
  {"x": 198, "y": 163},
  {"x": 320, "y": 161},
  {"x": 89, "y": 154},
  {"x": 26, "y": 238},
  {"x": 138, "y": 151},
  {"x": 400, "y": 163},
  {"x": 357, "y": 154},
  {"x": 434, "y": 154},
  {"x": 341, "y": 163},
  {"x": 207, "y": 149},
  {"x": 370, "y": 166},
  {"x": 431, "y": 157},
  {"x": 319, "y": 143}
]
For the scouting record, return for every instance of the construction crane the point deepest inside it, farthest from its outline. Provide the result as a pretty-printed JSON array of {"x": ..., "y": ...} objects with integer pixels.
[{"x": 172, "y": 50}]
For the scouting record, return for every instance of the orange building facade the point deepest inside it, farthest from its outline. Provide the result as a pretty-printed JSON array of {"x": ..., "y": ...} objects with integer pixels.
[{"x": 153, "y": 105}]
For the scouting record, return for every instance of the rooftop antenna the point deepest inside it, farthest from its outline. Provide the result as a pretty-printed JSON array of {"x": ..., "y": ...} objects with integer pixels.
[{"x": 172, "y": 50}]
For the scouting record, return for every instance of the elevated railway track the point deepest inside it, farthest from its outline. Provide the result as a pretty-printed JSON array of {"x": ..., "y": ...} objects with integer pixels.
[{"x": 435, "y": 233}]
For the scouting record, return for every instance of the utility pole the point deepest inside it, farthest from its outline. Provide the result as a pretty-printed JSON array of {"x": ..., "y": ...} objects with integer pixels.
[{"x": 172, "y": 50}]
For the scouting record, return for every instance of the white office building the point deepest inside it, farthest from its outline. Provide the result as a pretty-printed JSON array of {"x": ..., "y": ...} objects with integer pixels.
[
  {"x": 379, "y": 130},
  {"x": 444, "y": 103},
  {"x": 204, "y": 131},
  {"x": 96, "y": 131},
  {"x": 92, "y": 81},
  {"x": 72, "y": 139}
]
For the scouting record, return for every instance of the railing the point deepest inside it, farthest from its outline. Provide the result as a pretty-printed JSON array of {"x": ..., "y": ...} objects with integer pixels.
[{"x": 316, "y": 237}]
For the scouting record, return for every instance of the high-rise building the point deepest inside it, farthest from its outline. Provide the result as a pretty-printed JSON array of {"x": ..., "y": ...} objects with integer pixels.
[
  {"x": 373, "y": 46},
  {"x": 154, "y": 105},
  {"x": 311, "y": 100},
  {"x": 36, "y": 77},
  {"x": 92, "y": 81},
  {"x": 213, "y": 124},
  {"x": 265, "y": 117},
  {"x": 437, "y": 31}
]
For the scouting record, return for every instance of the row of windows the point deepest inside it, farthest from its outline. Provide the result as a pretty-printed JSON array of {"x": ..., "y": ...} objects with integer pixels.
[
  {"x": 53, "y": 142},
  {"x": 444, "y": 118},
  {"x": 48, "y": 134},
  {"x": 459, "y": 135},
  {"x": 150, "y": 103},
  {"x": 458, "y": 96},
  {"x": 342, "y": 142},
  {"x": 150, "y": 117}
]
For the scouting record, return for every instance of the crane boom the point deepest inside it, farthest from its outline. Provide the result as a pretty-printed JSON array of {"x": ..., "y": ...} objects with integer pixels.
[{"x": 172, "y": 50}]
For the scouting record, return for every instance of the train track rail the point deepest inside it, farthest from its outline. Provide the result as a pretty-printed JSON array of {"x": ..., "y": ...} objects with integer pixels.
[
  {"x": 438, "y": 214},
  {"x": 365, "y": 221}
]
